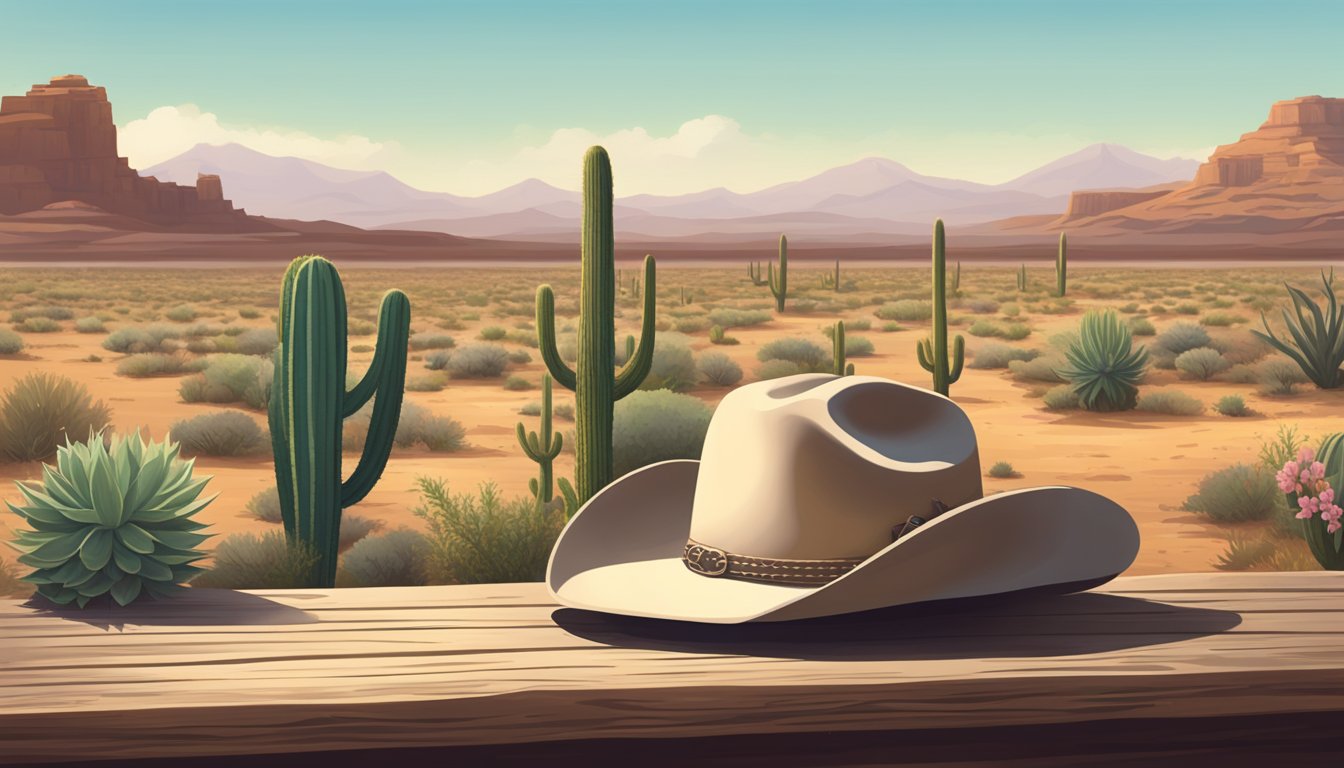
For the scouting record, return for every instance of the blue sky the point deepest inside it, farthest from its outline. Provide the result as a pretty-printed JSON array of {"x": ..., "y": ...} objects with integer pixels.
[{"x": 470, "y": 96}]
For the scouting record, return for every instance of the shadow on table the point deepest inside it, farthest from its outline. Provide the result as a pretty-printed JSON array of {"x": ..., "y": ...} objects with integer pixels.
[
  {"x": 983, "y": 627},
  {"x": 190, "y": 608}
]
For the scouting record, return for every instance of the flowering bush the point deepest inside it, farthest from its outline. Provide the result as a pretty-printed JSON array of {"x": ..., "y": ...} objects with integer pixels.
[{"x": 1306, "y": 478}]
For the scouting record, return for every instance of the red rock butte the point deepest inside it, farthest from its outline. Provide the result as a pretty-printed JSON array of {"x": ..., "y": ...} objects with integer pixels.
[
  {"x": 58, "y": 143},
  {"x": 1286, "y": 175}
]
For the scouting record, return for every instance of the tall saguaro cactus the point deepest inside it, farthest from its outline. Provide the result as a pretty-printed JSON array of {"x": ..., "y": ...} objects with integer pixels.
[
  {"x": 309, "y": 402},
  {"x": 542, "y": 448},
  {"x": 779, "y": 278},
  {"x": 1062, "y": 265},
  {"x": 933, "y": 354},
  {"x": 595, "y": 382}
]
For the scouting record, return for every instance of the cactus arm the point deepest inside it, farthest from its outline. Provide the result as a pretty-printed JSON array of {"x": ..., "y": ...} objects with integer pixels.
[
  {"x": 571, "y": 498},
  {"x": 923, "y": 350},
  {"x": 641, "y": 362},
  {"x": 529, "y": 442},
  {"x": 838, "y": 351},
  {"x": 958, "y": 358},
  {"x": 277, "y": 409},
  {"x": 394, "y": 331},
  {"x": 546, "y": 345},
  {"x": 367, "y": 386}
]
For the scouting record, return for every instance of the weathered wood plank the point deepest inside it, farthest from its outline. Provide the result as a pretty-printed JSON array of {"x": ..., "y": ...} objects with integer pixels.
[{"x": 221, "y": 673}]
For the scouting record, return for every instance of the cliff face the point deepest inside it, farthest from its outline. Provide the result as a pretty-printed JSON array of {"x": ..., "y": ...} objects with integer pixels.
[
  {"x": 1094, "y": 202},
  {"x": 1288, "y": 175},
  {"x": 58, "y": 143}
]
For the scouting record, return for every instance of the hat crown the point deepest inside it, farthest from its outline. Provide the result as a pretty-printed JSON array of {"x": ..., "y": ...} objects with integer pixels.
[{"x": 816, "y": 467}]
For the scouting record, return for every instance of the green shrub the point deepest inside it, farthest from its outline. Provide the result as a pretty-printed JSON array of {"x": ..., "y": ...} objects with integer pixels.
[
  {"x": 39, "y": 325},
  {"x": 1062, "y": 398},
  {"x": 422, "y": 341},
  {"x": 520, "y": 357},
  {"x": 1103, "y": 368},
  {"x": 358, "y": 326},
  {"x": 1232, "y": 405},
  {"x": 517, "y": 384},
  {"x": 1182, "y": 337},
  {"x": 478, "y": 361},
  {"x": 1170, "y": 403},
  {"x": 251, "y": 561},
  {"x": 438, "y": 359},
  {"x": 858, "y": 346},
  {"x": 490, "y": 333},
  {"x": 148, "y": 364},
  {"x": 230, "y": 378},
  {"x": 1002, "y": 469},
  {"x": 111, "y": 518},
  {"x": 417, "y": 426},
  {"x": 994, "y": 355},
  {"x": 892, "y": 327},
  {"x": 777, "y": 369},
  {"x": 805, "y": 354},
  {"x": 1201, "y": 363},
  {"x": 89, "y": 325},
  {"x": 858, "y": 324},
  {"x": 1278, "y": 376},
  {"x": 1237, "y": 494},
  {"x": 40, "y": 412},
  {"x": 906, "y": 310},
  {"x": 1141, "y": 326},
  {"x": 254, "y": 341},
  {"x": 1043, "y": 368},
  {"x": 226, "y": 433},
  {"x": 483, "y": 539},
  {"x": 1245, "y": 551},
  {"x": 434, "y": 382},
  {"x": 393, "y": 559},
  {"x": 353, "y": 530},
  {"x": 11, "y": 343},
  {"x": 182, "y": 313},
  {"x": 1221, "y": 319},
  {"x": 656, "y": 426},
  {"x": 728, "y": 317},
  {"x": 1315, "y": 340},
  {"x": 690, "y": 324},
  {"x": 265, "y": 506},
  {"x": 719, "y": 369},
  {"x": 50, "y": 313},
  {"x": 139, "y": 339},
  {"x": 249, "y": 313},
  {"x": 673, "y": 365}
]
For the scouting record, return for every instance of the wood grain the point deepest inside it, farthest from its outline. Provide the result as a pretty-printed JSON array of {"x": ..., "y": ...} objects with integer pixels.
[{"x": 220, "y": 673}]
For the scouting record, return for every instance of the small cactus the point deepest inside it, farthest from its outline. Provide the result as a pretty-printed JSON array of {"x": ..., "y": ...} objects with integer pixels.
[
  {"x": 956, "y": 280},
  {"x": 832, "y": 281},
  {"x": 779, "y": 278},
  {"x": 754, "y": 272},
  {"x": 838, "y": 351},
  {"x": 1022, "y": 278},
  {"x": 542, "y": 447},
  {"x": 1062, "y": 265},
  {"x": 933, "y": 353}
]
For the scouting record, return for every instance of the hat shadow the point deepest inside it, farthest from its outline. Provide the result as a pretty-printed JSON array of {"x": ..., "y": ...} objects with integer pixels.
[{"x": 1021, "y": 625}]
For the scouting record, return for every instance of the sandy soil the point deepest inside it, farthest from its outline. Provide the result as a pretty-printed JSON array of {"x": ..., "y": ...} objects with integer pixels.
[{"x": 1148, "y": 463}]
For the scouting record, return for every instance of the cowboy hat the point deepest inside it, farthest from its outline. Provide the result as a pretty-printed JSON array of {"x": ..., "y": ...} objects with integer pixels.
[{"x": 818, "y": 495}]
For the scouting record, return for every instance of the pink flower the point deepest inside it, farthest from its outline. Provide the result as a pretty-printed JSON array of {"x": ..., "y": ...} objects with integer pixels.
[
  {"x": 1308, "y": 505},
  {"x": 1317, "y": 470},
  {"x": 1305, "y": 455},
  {"x": 1287, "y": 478}
]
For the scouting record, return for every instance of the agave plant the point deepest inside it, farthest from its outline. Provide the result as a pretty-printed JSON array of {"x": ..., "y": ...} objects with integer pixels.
[
  {"x": 1317, "y": 344},
  {"x": 112, "y": 518},
  {"x": 1104, "y": 370}
]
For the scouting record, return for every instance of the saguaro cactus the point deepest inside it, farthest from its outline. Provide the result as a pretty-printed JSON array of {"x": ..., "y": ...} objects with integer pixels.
[
  {"x": 1022, "y": 278},
  {"x": 956, "y": 280},
  {"x": 933, "y": 353},
  {"x": 1062, "y": 265},
  {"x": 309, "y": 402},
  {"x": 838, "y": 351},
  {"x": 754, "y": 272},
  {"x": 595, "y": 382},
  {"x": 779, "y": 278},
  {"x": 832, "y": 281},
  {"x": 542, "y": 448}
]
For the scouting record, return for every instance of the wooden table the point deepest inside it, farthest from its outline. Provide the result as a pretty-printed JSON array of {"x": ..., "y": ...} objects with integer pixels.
[{"x": 1246, "y": 666}]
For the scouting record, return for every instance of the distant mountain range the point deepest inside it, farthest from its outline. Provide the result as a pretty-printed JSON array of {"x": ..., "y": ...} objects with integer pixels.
[{"x": 870, "y": 197}]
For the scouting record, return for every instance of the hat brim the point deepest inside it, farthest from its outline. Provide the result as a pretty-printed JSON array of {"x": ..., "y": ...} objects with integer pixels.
[{"x": 621, "y": 554}]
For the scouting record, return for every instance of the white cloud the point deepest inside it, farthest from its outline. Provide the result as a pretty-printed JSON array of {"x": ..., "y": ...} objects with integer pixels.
[{"x": 169, "y": 131}]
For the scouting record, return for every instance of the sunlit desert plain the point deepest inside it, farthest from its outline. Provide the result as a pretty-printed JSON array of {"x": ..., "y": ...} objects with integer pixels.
[{"x": 115, "y": 330}]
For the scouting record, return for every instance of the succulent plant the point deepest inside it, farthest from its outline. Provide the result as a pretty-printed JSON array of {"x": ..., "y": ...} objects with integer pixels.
[
  {"x": 1315, "y": 341},
  {"x": 112, "y": 518},
  {"x": 1103, "y": 368}
]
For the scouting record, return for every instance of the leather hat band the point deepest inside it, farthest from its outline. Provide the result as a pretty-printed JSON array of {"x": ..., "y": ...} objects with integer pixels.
[{"x": 708, "y": 561}]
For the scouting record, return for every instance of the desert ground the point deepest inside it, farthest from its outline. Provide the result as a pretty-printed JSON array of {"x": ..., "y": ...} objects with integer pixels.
[{"x": 1147, "y": 461}]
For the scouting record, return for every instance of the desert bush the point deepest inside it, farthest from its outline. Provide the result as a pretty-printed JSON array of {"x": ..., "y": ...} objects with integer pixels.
[
  {"x": 1043, "y": 368},
  {"x": 690, "y": 324},
  {"x": 719, "y": 369},
  {"x": 1061, "y": 398},
  {"x": 139, "y": 339},
  {"x": 892, "y": 327},
  {"x": 353, "y": 530},
  {"x": 996, "y": 355},
  {"x": 728, "y": 317},
  {"x": 11, "y": 343},
  {"x": 253, "y": 341},
  {"x": 416, "y": 426},
  {"x": 1237, "y": 494},
  {"x": 1182, "y": 337},
  {"x": 1245, "y": 551},
  {"x": 517, "y": 384},
  {"x": 493, "y": 333},
  {"x": 265, "y": 506},
  {"x": 483, "y": 539},
  {"x": 393, "y": 559},
  {"x": 905, "y": 310},
  {"x": 673, "y": 365},
  {"x": 182, "y": 313},
  {"x": 1231, "y": 405},
  {"x": 1141, "y": 326},
  {"x": 858, "y": 346},
  {"x": 1002, "y": 469},
  {"x": 89, "y": 324},
  {"x": 252, "y": 561},
  {"x": 1103, "y": 368},
  {"x": 1221, "y": 319},
  {"x": 478, "y": 361},
  {"x": 978, "y": 306},
  {"x": 858, "y": 324},
  {"x": 1201, "y": 363},
  {"x": 358, "y": 326},
  {"x": 39, "y": 325},
  {"x": 433, "y": 382},
  {"x": 1278, "y": 376},
  {"x": 230, "y": 378},
  {"x": 438, "y": 359},
  {"x": 50, "y": 313},
  {"x": 422, "y": 341},
  {"x": 226, "y": 433},
  {"x": 249, "y": 313},
  {"x": 776, "y": 369},
  {"x": 148, "y": 364},
  {"x": 40, "y": 412},
  {"x": 656, "y": 426},
  {"x": 805, "y": 354},
  {"x": 1169, "y": 402},
  {"x": 520, "y": 357}
]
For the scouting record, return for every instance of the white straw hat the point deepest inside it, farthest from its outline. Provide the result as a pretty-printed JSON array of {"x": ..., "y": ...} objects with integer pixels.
[{"x": 818, "y": 495}]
